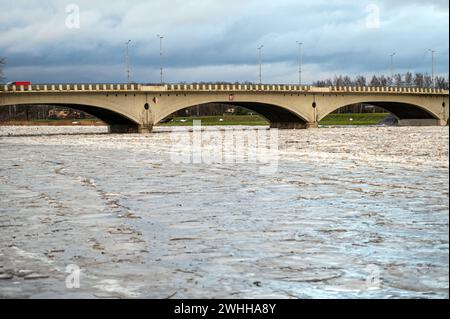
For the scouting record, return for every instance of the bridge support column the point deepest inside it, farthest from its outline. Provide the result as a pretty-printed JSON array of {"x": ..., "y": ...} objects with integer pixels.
[
  {"x": 292, "y": 125},
  {"x": 145, "y": 128},
  {"x": 420, "y": 122}
]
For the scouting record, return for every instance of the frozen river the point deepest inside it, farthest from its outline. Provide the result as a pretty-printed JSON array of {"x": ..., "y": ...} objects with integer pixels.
[{"x": 347, "y": 213}]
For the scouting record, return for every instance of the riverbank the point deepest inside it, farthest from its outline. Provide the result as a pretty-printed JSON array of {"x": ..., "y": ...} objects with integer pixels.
[
  {"x": 247, "y": 120},
  {"x": 332, "y": 119}
]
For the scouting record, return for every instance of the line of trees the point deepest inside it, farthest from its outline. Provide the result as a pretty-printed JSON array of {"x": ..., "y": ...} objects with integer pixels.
[{"x": 406, "y": 80}]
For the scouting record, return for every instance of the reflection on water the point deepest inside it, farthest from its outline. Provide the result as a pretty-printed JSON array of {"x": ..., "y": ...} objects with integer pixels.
[{"x": 350, "y": 212}]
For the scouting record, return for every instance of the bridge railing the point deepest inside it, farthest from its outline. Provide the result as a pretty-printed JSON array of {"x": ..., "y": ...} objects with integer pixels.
[
  {"x": 396, "y": 90},
  {"x": 70, "y": 87},
  {"x": 207, "y": 87},
  {"x": 237, "y": 87},
  {"x": 299, "y": 89}
]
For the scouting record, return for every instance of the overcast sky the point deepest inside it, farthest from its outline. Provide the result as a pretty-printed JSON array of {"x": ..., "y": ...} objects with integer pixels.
[{"x": 217, "y": 40}]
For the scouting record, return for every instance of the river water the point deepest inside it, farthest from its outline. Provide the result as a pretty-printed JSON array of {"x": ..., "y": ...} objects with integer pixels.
[{"x": 343, "y": 213}]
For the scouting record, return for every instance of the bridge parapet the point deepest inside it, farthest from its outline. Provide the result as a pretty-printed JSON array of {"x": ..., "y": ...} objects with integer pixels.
[
  {"x": 70, "y": 87},
  {"x": 235, "y": 87},
  {"x": 389, "y": 90},
  {"x": 210, "y": 87}
]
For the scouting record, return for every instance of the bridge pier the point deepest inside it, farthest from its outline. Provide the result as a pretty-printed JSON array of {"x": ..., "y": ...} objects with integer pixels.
[
  {"x": 292, "y": 125},
  {"x": 145, "y": 128}
]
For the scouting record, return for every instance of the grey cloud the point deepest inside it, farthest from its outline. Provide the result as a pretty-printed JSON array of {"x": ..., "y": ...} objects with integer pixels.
[{"x": 212, "y": 36}]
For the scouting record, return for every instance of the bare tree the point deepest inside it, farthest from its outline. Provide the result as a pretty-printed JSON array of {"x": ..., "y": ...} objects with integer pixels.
[
  {"x": 409, "y": 79},
  {"x": 338, "y": 81},
  {"x": 441, "y": 83},
  {"x": 347, "y": 81},
  {"x": 375, "y": 81},
  {"x": 320, "y": 83},
  {"x": 398, "y": 81},
  {"x": 361, "y": 81},
  {"x": 428, "y": 81},
  {"x": 383, "y": 81},
  {"x": 389, "y": 81},
  {"x": 419, "y": 80}
]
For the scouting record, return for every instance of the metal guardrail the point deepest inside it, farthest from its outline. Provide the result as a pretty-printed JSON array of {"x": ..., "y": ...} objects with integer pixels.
[{"x": 216, "y": 88}]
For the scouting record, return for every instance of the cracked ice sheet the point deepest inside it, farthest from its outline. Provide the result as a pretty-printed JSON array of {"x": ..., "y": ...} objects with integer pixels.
[{"x": 141, "y": 226}]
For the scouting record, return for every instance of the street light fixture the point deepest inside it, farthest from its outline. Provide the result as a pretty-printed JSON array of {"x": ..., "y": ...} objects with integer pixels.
[
  {"x": 260, "y": 63},
  {"x": 432, "y": 65},
  {"x": 161, "y": 57},
  {"x": 392, "y": 64},
  {"x": 300, "y": 62},
  {"x": 127, "y": 60}
]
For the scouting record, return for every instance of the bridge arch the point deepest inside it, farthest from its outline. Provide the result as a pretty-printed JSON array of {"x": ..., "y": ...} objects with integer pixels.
[
  {"x": 277, "y": 116},
  {"x": 407, "y": 112},
  {"x": 117, "y": 120}
]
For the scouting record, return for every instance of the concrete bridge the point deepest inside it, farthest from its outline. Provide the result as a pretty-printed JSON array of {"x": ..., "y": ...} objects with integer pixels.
[{"x": 131, "y": 108}]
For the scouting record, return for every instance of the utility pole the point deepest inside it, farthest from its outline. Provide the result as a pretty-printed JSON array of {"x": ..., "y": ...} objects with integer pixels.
[
  {"x": 127, "y": 60},
  {"x": 300, "y": 62},
  {"x": 260, "y": 63},
  {"x": 161, "y": 57},
  {"x": 392, "y": 64},
  {"x": 432, "y": 66}
]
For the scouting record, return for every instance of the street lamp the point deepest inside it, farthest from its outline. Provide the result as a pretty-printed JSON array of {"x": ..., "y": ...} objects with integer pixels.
[
  {"x": 432, "y": 65},
  {"x": 127, "y": 59},
  {"x": 300, "y": 62},
  {"x": 161, "y": 56},
  {"x": 392, "y": 64},
  {"x": 260, "y": 63}
]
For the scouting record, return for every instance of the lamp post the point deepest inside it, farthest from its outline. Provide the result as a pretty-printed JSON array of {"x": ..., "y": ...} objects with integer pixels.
[
  {"x": 260, "y": 63},
  {"x": 161, "y": 57},
  {"x": 392, "y": 64},
  {"x": 300, "y": 62},
  {"x": 127, "y": 59},
  {"x": 432, "y": 65}
]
